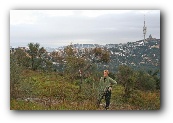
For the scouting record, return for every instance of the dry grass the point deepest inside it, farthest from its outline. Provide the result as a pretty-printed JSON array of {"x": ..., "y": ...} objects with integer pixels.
[{"x": 54, "y": 92}]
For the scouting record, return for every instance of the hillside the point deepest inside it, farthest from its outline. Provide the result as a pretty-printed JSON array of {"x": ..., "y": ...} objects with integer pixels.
[
  {"x": 50, "y": 91},
  {"x": 70, "y": 80}
]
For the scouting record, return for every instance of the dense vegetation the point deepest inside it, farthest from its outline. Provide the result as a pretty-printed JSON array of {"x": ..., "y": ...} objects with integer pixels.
[{"x": 35, "y": 85}]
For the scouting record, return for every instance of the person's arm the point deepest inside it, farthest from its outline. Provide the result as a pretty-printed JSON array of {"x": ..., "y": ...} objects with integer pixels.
[{"x": 112, "y": 81}]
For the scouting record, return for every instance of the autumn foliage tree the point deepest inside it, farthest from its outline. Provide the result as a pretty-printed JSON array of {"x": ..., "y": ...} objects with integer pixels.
[
  {"x": 101, "y": 55},
  {"x": 75, "y": 61}
]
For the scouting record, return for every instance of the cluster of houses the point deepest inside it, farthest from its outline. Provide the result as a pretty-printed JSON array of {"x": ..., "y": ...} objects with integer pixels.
[{"x": 134, "y": 54}]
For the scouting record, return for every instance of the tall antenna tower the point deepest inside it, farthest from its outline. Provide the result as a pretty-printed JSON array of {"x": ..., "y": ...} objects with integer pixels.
[{"x": 144, "y": 29}]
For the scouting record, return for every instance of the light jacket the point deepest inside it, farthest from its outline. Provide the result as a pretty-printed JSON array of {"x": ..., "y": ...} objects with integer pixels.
[{"x": 103, "y": 85}]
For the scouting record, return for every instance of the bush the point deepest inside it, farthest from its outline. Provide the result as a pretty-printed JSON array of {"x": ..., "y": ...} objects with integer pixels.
[
  {"x": 145, "y": 100},
  {"x": 145, "y": 82},
  {"x": 127, "y": 77}
]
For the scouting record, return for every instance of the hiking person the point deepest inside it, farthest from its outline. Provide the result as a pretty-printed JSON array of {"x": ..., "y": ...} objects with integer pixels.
[{"x": 105, "y": 88}]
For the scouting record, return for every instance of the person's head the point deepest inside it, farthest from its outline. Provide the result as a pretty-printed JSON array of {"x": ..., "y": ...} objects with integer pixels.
[{"x": 106, "y": 72}]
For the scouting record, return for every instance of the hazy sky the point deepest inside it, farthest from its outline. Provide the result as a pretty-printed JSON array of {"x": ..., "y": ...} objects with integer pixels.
[{"x": 53, "y": 28}]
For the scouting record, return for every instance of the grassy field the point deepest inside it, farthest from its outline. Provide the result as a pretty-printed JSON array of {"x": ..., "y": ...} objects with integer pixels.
[{"x": 51, "y": 91}]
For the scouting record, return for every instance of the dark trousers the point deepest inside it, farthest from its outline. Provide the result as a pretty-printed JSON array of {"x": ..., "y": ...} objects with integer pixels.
[{"x": 107, "y": 98}]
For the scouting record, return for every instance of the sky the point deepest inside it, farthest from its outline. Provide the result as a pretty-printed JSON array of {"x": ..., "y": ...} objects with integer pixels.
[{"x": 54, "y": 28}]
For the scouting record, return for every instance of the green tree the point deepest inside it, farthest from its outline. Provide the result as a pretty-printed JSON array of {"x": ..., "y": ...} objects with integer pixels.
[
  {"x": 33, "y": 52},
  {"x": 145, "y": 81},
  {"x": 127, "y": 77},
  {"x": 81, "y": 64},
  {"x": 22, "y": 58},
  {"x": 41, "y": 51},
  {"x": 155, "y": 76},
  {"x": 36, "y": 55},
  {"x": 15, "y": 77},
  {"x": 73, "y": 62}
]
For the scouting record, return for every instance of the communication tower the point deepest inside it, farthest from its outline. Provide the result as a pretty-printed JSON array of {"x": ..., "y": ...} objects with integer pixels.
[{"x": 144, "y": 29}]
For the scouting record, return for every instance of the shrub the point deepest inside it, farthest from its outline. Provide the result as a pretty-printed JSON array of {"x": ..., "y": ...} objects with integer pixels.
[{"x": 145, "y": 100}]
